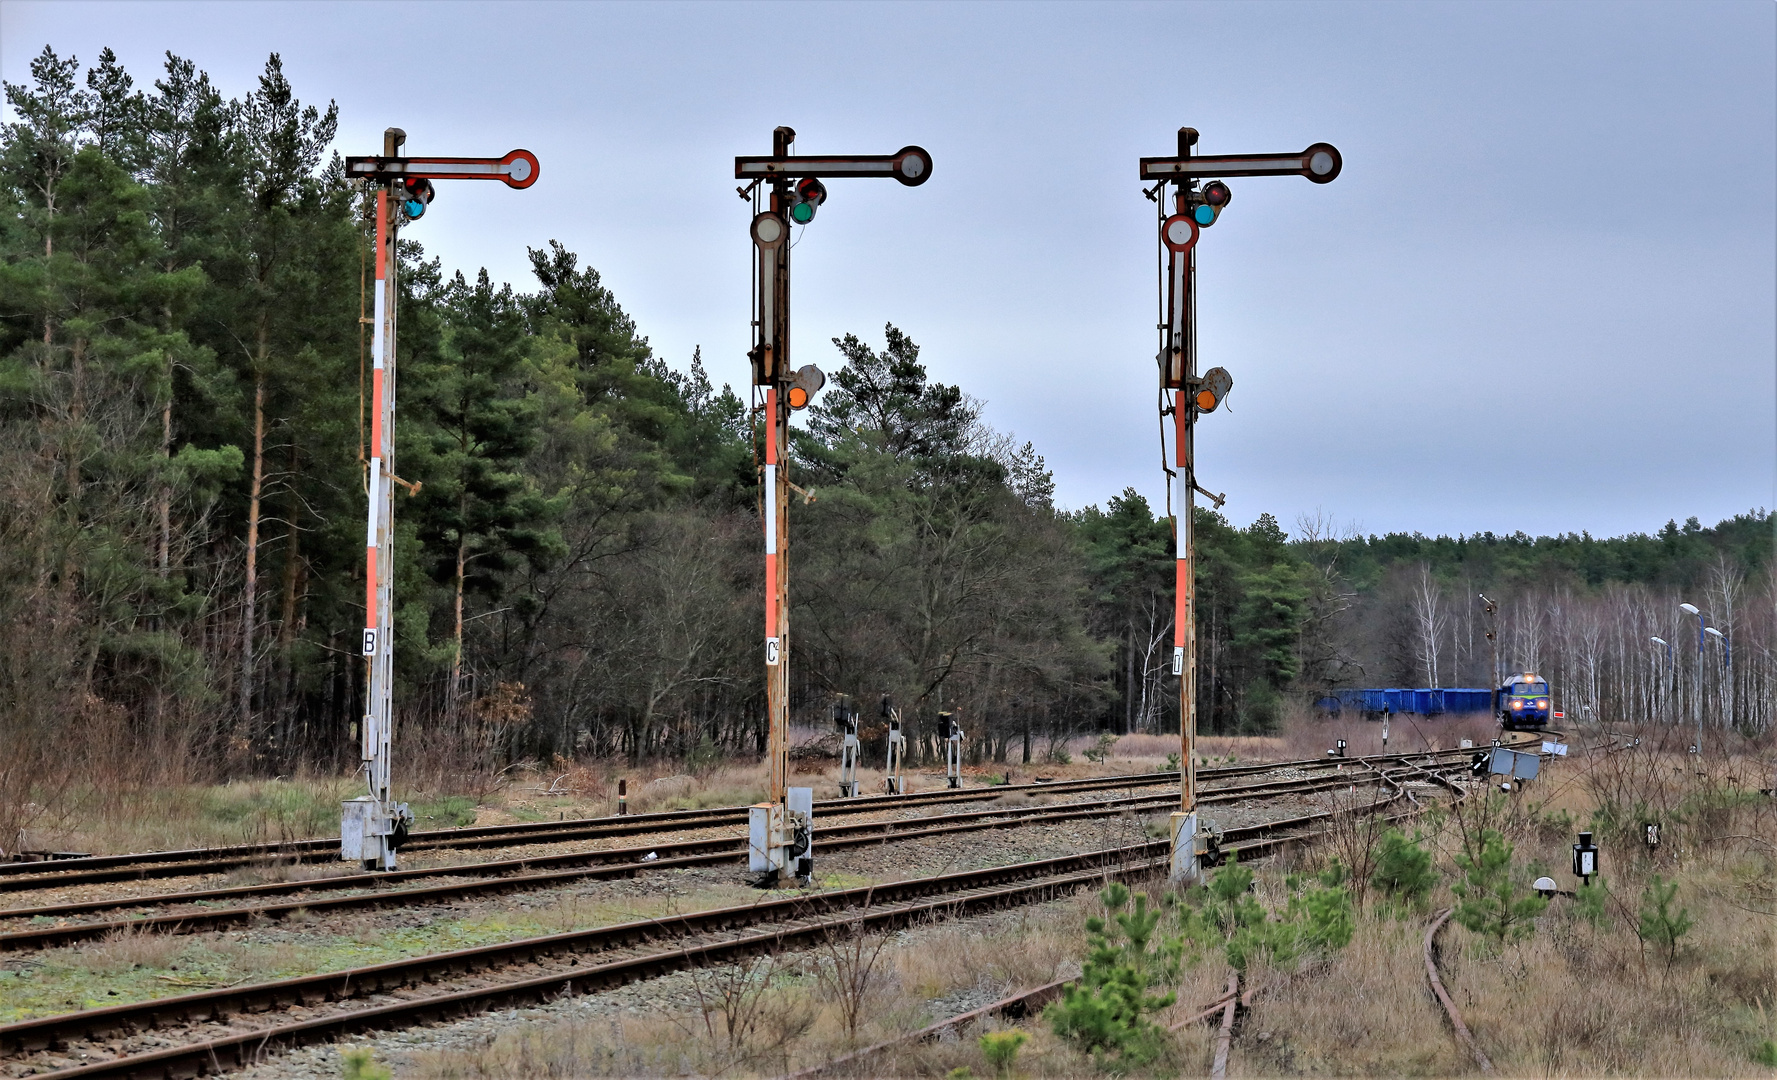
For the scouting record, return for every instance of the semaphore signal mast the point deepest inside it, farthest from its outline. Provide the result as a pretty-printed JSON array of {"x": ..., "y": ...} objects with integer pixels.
[
  {"x": 1185, "y": 395},
  {"x": 780, "y": 832},
  {"x": 373, "y": 826}
]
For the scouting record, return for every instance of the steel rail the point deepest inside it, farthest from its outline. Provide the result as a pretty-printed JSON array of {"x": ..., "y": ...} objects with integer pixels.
[
  {"x": 186, "y": 862},
  {"x": 604, "y": 864},
  {"x": 1437, "y": 988},
  {"x": 873, "y": 906},
  {"x": 54, "y": 881},
  {"x": 1017, "y": 1006},
  {"x": 1052, "y": 877},
  {"x": 1218, "y": 1069},
  {"x": 583, "y": 828}
]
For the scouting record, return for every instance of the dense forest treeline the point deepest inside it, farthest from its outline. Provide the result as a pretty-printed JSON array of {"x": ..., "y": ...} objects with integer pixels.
[{"x": 183, "y": 284}]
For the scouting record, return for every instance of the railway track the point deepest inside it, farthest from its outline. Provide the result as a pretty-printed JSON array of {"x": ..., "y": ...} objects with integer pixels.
[
  {"x": 548, "y": 871},
  {"x": 25, "y": 877},
  {"x": 221, "y": 1035},
  {"x": 214, "y": 1030},
  {"x": 1457, "y": 1027}
]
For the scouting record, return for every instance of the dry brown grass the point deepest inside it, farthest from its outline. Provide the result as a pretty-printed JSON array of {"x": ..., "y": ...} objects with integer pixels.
[
  {"x": 1306, "y": 737},
  {"x": 1571, "y": 1000},
  {"x": 122, "y": 950}
]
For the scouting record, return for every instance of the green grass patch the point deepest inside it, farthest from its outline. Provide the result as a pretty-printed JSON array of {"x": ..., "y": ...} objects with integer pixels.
[
  {"x": 842, "y": 880},
  {"x": 447, "y": 812}
]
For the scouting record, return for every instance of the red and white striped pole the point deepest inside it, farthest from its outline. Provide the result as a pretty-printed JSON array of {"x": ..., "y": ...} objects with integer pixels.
[
  {"x": 368, "y": 825},
  {"x": 373, "y": 825},
  {"x": 378, "y": 561},
  {"x": 772, "y": 825},
  {"x": 777, "y": 664},
  {"x": 1178, "y": 239}
]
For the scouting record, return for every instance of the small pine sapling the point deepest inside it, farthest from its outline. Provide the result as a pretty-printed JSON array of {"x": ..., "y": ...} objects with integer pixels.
[
  {"x": 1765, "y": 1054},
  {"x": 1404, "y": 869},
  {"x": 1590, "y": 902},
  {"x": 1231, "y": 904},
  {"x": 1659, "y": 926},
  {"x": 1488, "y": 903},
  {"x": 1000, "y": 1048},
  {"x": 359, "y": 1064},
  {"x": 1318, "y": 921},
  {"x": 1106, "y": 1012}
]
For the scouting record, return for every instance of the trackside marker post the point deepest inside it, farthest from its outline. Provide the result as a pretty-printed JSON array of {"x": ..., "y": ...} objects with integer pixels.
[
  {"x": 1186, "y": 394},
  {"x": 785, "y": 190},
  {"x": 373, "y": 826}
]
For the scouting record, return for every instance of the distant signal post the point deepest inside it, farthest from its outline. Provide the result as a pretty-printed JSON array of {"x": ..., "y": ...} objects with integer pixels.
[
  {"x": 373, "y": 826},
  {"x": 787, "y": 190},
  {"x": 1186, "y": 395}
]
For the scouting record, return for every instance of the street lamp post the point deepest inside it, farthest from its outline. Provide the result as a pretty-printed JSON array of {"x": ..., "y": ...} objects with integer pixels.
[
  {"x": 1727, "y": 696},
  {"x": 1697, "y": 697},
  {"x": 1663, "y": 671}
]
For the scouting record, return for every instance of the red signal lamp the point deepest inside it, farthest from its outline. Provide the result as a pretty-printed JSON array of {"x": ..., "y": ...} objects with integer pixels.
[
  {"x": 416, "y": 195},
  {"x": 806, "y": 197},
  {"x": 1216, "y": 197}
]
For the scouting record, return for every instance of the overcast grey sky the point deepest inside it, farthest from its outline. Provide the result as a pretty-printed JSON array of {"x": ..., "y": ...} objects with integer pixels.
[{"x": 1541, "y": 295}]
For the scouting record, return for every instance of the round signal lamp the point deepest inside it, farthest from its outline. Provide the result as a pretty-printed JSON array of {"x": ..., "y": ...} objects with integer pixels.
[
  {"x": 798, "y": 397},
  {"x": 802, "y": 213},
  {"x": 1206, "y": 400},
  {"x": 1205, "y": 214}
]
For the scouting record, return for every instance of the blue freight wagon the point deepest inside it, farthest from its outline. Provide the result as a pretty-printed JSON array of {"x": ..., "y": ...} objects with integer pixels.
[{"x": 1376, "y": 702}]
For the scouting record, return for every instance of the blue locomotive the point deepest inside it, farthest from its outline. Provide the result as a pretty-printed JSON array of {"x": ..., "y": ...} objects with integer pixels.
[{"x": 1524, "y": 703}]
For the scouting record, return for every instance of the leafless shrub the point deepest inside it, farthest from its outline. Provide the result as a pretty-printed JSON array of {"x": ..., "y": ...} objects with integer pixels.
[
  {"x": 740, "y": 1016},
  {"x": 1352, "y": 836},
  {"x": 847, "y": 971}
]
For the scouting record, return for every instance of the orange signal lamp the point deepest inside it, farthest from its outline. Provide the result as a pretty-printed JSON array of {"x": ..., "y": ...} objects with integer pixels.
[
  {"x": 1206, "y": 400},
  {"x": 798, "y": 397}
]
